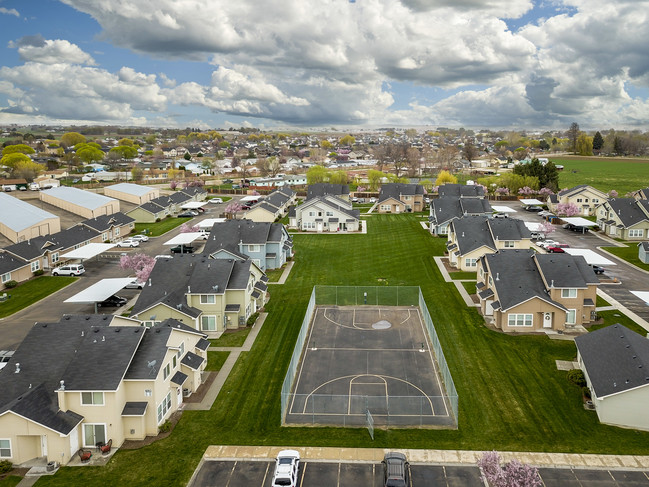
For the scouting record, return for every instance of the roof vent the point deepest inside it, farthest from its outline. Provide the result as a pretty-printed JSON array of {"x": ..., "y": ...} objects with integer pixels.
[
  {"x": 83, "y": 333},
  {"x": 552, "y": 283},
  {"x": 17, "y": 371},
  {"x": 62, "y": 387},
  {"x": 497, "y": 276}
]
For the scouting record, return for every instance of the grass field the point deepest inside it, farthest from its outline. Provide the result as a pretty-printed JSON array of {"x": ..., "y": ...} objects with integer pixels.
[
  {"x": 605, "y": 174},
  {"x": 274, "y": 274},
  {"x": 215, "y": 360},
  {"x": 32, "y": 291},
  {"x": 628, "y": 253},
  {"x": 159, "y": 228},
  {"x": 232, "y": 338},
  {"x": 511, "y": 395},
  {"x": 463, "y": 275}
]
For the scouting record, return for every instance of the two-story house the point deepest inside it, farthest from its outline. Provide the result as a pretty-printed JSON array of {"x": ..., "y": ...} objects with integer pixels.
[
  {"x": 325, "y": 214},
  {"x": 521, "y": 291},
  {"x": 471, "y": 237},
  {"x": 625, "y": 218},
  {"x": 444, "y": 210},
  {"x": 206, "y": 294},
  {"x": 108, "y": 379},
  {"x": 585, "y": 197},
  {"x": 112, "y": 227},
  {"x": 273, "y": 207},
  {"x": 316, "y": 190},
  {"x": 400, "y": 198},
  {"x": 268, "y": 245}
]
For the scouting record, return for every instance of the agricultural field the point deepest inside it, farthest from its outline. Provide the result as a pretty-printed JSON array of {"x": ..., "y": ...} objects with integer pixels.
[{"x": 604, "y": 173}]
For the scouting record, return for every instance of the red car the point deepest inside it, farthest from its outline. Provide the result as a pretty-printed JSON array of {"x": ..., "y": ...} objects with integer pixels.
[{"x": 557, "y": 250}]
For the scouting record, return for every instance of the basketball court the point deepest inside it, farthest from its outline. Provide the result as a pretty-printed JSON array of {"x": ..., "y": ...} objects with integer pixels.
[{"x": 368, "y": 363}]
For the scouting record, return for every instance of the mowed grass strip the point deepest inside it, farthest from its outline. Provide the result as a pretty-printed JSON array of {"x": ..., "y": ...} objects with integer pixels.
[
  {"x": 511, "y": 395},
  {"x": 160, "y": 228},
  {"x": 605, "y": 174},
  {"x": 232, "y": 338},
  {"x": 629, "y": 253},
  {"x": 32, "y": 291}
]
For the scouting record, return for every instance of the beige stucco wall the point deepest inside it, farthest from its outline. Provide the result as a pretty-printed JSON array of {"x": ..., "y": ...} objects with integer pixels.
[
  {"x": 142, "y": 216},
  {"x": 260, "y": 215},
  {"x": 582, "y": 315},
  {"x": 163, "y": 312},
  {"x": 586, "y": 208},
  {"x": 536, "y": 307},
  {"x": 20, "y": 275},
  {"x": 106, "y": 209}
]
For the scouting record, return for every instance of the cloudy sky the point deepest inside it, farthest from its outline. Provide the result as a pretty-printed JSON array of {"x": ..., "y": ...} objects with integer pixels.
[{"x": 326, "y": 63}]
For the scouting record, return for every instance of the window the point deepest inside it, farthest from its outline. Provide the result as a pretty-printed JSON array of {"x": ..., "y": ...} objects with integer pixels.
[
  {"x": 181, "y": 350},
  {"x": 92, "y": 398},
  {"x": 257, "y": 262},
  {"x": 579, "y": 200},
  {"x": 595, "y": 200},
  {"x": 174, "y": 361},
  {"x": 509, "y": 244},
  {"x": 208, "y": 323},
  {"x": 636, "y": 232},
  {"x": 329, "y": 213},
  {"x": 386, "y": 207},
  {"x": 491, "y": 281},
  {"x": 6, "y": 277},
  {"x": 164, "y": 407},
  {"x": 5, "y": 448},
  {"x": 519, "y": 319},
  {"x": 312, "y": 213},
  {"x": 253, "y": 248},
  {"x": 568, "y": 293},
  {"x": 571, "y": 316},
  {"x": 208, "y": 298},
  {"x": 166, "y": 372},
  {"x": 55, "y": 257},
  {"x": 93, "y": 434},
  {"x": 35, "y": 266},
  {"x": 470, "y": 262},
  {"x": 116, "y": 231}
]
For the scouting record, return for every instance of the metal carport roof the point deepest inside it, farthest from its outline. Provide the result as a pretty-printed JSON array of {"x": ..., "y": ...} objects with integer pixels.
[
  {"x": 100, "y": 290},
  {"x": 88, "y": 251}
]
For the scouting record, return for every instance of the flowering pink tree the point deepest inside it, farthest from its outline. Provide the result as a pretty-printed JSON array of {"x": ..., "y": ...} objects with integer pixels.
[
  {"x": 361, "y": 189},
  {"x": 142, "y": 264},
  {"x": 232, "y": 209},
  {"x": 502, "y": 191},
  {"x": 612, "y": 194},
  {"x": 512, "y": 474},
  {"x": 173, "y": 185},
  {"x": 567, "y": 209},
  {"x": 526, "y": 190},
  {"x": 187, "y": 228},
  {"x": 547, "y": 228},
  {"x": 545, "y": 191}
]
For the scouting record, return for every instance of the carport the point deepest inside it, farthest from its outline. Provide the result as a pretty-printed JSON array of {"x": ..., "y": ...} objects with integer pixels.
[
  {"x": 592, "y": 257},
  {"x": 192, "y": 205},
  {"x": 183, "y": 239},
  {"x": 87, "y": 251},
  {"x": 99, "y": 291},
  {"x": 531, "y": 202},
  {"x": 503, "y": 209},
  {"x": 579, "y": 222},
  {"x": 208, "y": 223}
]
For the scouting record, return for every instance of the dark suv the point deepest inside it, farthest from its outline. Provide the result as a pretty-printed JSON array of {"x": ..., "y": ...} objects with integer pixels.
[{"x": 396, "y": 470}]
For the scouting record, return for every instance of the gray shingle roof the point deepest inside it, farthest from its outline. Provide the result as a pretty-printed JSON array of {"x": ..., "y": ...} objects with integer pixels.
[
  {"x": 565, "y": 271},
  {"x": 105, "y": 222},
  {"x": 444, "y": 210},
  {"x": 616, "y": 359},
  {"x": 179, "y": 378},
  {"x": 65, "y": 239},
  {"x": 396, "y": 190},
  {"x": 323, "y": 189},
  {"x": 203, "y": 344},
  {"x": 460, "y": 190},
  {"x": 629, "y": 210},
  {"x": 9, "y": 263},
  {"x": 192, "y": 360},
  {"x": 135, "y": 408}
]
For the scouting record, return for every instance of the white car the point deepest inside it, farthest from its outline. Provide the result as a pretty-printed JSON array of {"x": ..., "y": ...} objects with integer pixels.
[
  {"x": 134, "y": 284},
  {"x": 286, "y": 467},
  {"x": 372, "y": 200},
  {"x": 139, "y": 238},
  {"x": 69, "y": 270},
  {"x": 215, "y": 200},
  {"x": 547, "y": 243},
  {"x": 129, "y": 242}
]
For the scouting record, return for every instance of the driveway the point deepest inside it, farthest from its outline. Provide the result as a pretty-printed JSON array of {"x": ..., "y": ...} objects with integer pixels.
[{"x": 631, "y": 278}]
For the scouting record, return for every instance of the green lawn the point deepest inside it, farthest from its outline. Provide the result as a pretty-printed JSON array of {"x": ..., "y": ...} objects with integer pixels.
[
  {"x": 601, "y": 302},
  {"x": 215, "y": 360},
  {"x": 463, "y": 275},
  {"x": 628, "y": 253},
  {"x": 32, "y": 291},
  {"x": 615, "y": 316},
  {"x": 605, "y": 174},
  {"x": 159, "y": 228},
  {"x": 511, "y": 395},
  {"x": 232, "y": 338},
  {"x": 10, "y": 481},
  {"x": 469, "y": 286},
  {"x": 274, "y": 274}
]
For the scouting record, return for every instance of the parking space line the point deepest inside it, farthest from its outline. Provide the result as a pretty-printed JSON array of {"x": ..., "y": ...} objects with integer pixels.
[
  {"x": 234, "y": 466},
  {"x": 303, "y": 473},
  {"x": 338, "y": 480},
  {"x": 266, "y": 474}
]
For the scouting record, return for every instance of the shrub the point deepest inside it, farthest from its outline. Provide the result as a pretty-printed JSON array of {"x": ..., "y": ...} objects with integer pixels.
[
  {"x": 5, "y": 466},
  {"x": 11, "y": 284},
  {"x": 577, "y": 378},
  {"x": 252, "y": 318},
  {"x": 585, "y": 391},
  {"x": 165, "y": 427},
  {"x": 39, "y": 272}
]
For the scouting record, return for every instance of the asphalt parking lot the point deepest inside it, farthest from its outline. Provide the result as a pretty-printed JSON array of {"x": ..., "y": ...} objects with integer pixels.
[{"x": 231, "y": 473}]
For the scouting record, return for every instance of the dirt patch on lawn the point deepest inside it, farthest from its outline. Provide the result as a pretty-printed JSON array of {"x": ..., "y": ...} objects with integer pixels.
[{"x": 203, "y": 388}]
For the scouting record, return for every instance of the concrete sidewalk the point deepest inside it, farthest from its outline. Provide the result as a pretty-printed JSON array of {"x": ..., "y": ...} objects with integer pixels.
[
  {"x": 235, "y": 352},
  {"x": 285, "y": 273},
  {"x": 444, "y": 457}
]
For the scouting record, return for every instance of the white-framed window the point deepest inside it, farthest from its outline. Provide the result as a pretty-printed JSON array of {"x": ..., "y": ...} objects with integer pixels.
[
  {"x": 579, "y": 200},
  {"x": 509, "y": 244},
  {"x": 253, "y": 248},
  {"x": 93, "y": 398},
  {"x": 208, "y": 298},
  {"x": 164, "y": 407},
  {"x": 35, "y": 265},
  {"x": 174, "y": 361},
  {"x": 571, "y": 317},
  {"x": 166, "y": 371},
  {"x": 595, "y": 200},
  {"x": 386, "y": 207},
  {"x": 312, "y": 213},
  {"x": 208, "y": 323},
  {"x": 104, "y": 236},
  {"x": 93, "y": 434},
  {"x": 5, "y": 448},
  {"x": 569, "y": 293},
  {"x": 329, "y": 213},
  {"x": 181, "y": 349},
  {"x": 55, "y": 257},
  {"x": 491, "y": 281},
  {"x": 116, "y": 231},
  {"x": 470, "y": 262},
  {"x": 519, "y": 319},
  {"x": 636, "y": 232},
  {"x": 5, "y": 277}
]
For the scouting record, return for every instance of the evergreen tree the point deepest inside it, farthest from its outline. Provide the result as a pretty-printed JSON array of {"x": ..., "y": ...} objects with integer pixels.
[{"x": 598, "y": 142}]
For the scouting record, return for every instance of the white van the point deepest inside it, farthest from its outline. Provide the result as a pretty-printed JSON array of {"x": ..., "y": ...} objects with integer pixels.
[{"x": 69, "y": 270}]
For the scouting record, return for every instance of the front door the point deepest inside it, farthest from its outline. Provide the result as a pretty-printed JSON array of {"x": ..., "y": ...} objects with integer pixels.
[
  {"x": 547, "y": 320},
  {"x": 319, "y": 227},
  {"x": 44, "y": 446},
  {"x": 179, "y": 396}
]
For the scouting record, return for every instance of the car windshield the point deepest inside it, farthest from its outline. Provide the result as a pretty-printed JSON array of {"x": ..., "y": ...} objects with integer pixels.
[
  {"x": 395, "y": 483},
  {"x": 285, "y": 461}
]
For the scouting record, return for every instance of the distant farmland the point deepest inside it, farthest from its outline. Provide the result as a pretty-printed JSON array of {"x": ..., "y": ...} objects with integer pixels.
[{"x": 605, "y": 174}]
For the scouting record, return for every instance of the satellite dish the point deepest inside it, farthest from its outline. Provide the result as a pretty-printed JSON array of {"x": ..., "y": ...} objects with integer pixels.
[{"x": 151, "y": 364}]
